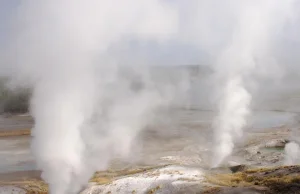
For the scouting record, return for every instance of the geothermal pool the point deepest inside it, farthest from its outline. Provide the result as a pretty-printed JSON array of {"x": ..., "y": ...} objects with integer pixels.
[{"x": 184, "y": 137}]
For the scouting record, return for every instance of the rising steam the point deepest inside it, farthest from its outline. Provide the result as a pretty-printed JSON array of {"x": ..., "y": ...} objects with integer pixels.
[
  {"x": 93, "y": 91},
  {"x": 87, "y": 105},
  {"x": 249, "y": 45},
  {"x": 292, "y": 153}
]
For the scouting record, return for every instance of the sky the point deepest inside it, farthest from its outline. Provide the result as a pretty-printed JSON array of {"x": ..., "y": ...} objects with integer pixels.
[
  {"x": 185, "y": 52},
  {"x": 7, "y": 8},
  {"x": 176, "y": 53}
]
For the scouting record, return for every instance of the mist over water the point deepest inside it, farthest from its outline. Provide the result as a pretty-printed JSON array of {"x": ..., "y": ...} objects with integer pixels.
[{"x": 90, "y": 64}]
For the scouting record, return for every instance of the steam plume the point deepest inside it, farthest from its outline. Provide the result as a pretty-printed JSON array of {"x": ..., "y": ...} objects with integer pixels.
[
  {"x": 93, "y": 94},
  {"x": 85, "y": 107},
  {"x": 292, "y": 153},
  {"x": 249, "y": 45}
]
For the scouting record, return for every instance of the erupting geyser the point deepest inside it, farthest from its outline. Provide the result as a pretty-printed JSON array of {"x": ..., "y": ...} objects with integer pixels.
[
  {"x": 292, "y": 153},
  {"x": 84, "y": 107},
  {"x": 249, "y": 46},
  {"x": 77, "y": 57}
]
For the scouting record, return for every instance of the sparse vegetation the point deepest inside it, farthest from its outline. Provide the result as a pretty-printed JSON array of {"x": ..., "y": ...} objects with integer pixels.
[
  {"x": 154, "y": 190},
  {"x": 30, "y": 186},
  {"x": 105, "y": 177},
  {"x": 277, "y": 180},
  {"x": 9, "y": 133},
  {"x": 33, "y": 186},
  {"x": 283, "y": 179}
]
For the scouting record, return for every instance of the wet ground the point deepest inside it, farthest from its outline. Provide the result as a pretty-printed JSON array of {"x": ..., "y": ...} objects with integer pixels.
[
  {"x": 182, "y": 140},
  {"x": 186, "y": 141}
]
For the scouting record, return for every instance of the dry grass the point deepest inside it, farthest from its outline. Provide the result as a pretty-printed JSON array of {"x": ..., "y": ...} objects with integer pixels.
[
  {"x": 101, "y": 180},
  {"x": 246, "y": 179},
  {"x": 211, "y": 190},
  {"x": 105, "y": 177},
  {"x": 34, "y": 186},
  {"x": 30, "y": 186},
  {"x": 12, "y": 133},
  {"x": 228, "y": 180},
  {"x": 262, "y": 170},
  {"x": 278, "y": 180},
  {"x": 154, "y": 190}
]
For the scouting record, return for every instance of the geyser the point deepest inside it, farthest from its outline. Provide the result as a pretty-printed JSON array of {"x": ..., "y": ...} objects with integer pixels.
[
  {"x": 92, "y": 89},
  {"x": 250, "y": 45},
  {"x": 292, "y": 153},
  {"x": 84, "y": 106}
]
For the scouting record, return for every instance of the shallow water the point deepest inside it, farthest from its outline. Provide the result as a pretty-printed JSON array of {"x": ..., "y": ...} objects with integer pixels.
[
  {"x": 184, "y": 137},
  {"x": 15, "y": 154},
  {"x": 15, "y": 122},
  {"x": 271, "y": 119},
  {"x": 178, "y": 136}
]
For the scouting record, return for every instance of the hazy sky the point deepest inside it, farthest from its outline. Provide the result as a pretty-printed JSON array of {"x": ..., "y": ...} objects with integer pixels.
[
  {"x": 175, "y": 52},
  {"x": 7, "y": 7},
  {"x": 209, "y": 15}
]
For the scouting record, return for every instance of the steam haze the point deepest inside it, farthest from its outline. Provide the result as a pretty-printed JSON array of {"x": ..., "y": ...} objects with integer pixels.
[{"x": 90, "y": 64}]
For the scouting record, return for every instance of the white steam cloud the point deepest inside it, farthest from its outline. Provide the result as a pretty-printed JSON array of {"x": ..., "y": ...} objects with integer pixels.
[
  {"x": 249, "y": 45},
  {"x": 87, "y": 104},
  {"x": 292, "y": 153},
  {"x": 93, "y": 90}
]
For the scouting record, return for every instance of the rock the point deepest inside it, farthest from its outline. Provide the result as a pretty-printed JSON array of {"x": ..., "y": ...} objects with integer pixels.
[
  {"x": 238, "y": 168},
  {"x": 276, "y": 143},
  {"x": 232, "y": 163}
]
